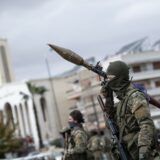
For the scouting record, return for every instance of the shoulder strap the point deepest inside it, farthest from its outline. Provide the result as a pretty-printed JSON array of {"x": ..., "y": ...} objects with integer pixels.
[
  {"x": 121, "y": 111},
  {"x": 124, "y": 105}
]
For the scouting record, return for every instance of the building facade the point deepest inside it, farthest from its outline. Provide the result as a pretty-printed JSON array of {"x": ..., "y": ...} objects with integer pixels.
[
  {"x": 32, "y": 111},
  {"x": 19, "y": 109},
  {"x": 6, "y": 70}
]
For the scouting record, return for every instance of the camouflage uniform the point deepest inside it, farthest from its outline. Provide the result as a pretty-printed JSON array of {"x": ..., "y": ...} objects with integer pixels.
[
  {"x": 106, "y": 147},
  {"x": 77, "y": 144},
  {"x": 131, "y": 114},
  {"x": 94, "y": 145},
  {"x": 135, "y": 125}
]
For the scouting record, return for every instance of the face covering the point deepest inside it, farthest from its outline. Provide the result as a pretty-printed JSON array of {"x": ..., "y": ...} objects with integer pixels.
[
  {"x": 119, "y": 85},
  {"x": 72, "y": 124}
]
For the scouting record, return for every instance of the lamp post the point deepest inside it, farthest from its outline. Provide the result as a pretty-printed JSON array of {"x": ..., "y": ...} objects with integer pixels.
[{"x": 58, "y": 120}]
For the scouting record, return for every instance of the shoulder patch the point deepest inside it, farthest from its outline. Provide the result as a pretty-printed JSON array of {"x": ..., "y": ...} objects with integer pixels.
[{"x": 136, "y": 100}]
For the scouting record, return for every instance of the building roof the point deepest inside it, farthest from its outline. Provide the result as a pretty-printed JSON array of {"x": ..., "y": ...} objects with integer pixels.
[
  {"x": 156, "y": 45},
  {"x": 136, "y": 46}
]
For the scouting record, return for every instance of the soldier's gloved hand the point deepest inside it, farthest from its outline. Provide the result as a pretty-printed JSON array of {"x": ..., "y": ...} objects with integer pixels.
[
  {"x": 106, "y": 91},
  {"x": 144, "y": 153},
  {"x": 103, "y": 91}
]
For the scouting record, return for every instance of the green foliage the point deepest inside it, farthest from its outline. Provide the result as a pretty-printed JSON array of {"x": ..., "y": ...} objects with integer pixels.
[
  {"x": 8, "y": 141},
  {"x": 36, "y": 90}
]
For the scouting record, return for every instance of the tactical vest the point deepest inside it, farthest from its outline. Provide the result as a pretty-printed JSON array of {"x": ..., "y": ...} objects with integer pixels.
[
  {"x": 126, "y": 121},
  {"x": 128, "y": 127}
]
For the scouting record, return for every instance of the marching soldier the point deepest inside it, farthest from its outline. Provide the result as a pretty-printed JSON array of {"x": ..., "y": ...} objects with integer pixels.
[
  {"x": 94, "y": 145},
  {"x": 106, "y": 146},
  {"x": 77, "y": 145}
]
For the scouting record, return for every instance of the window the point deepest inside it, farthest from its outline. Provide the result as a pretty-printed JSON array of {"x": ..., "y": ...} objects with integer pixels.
[
  {"x": 136, "y": 68},
  {"x": 156, "y": 65},
  {"x": 157, "y": 83}
]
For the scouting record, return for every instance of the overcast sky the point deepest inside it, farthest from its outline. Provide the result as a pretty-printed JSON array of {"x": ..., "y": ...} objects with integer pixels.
[{"x": 89, "y": 27}]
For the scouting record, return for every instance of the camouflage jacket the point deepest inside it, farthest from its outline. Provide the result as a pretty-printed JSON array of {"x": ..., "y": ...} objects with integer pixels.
[
  {"x": 134, "y": 122},
  {"x": 78, "y": 143},
  {"x": 105, "y": 144},
  {"x": 133, "y": 116},
  {"x": 94, "y": 143}
]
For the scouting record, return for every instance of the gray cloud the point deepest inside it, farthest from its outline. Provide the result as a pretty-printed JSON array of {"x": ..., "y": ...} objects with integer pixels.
[{"x": 91, "y": 28}]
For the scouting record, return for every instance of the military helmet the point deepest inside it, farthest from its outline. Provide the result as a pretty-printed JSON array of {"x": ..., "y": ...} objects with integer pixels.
[{"x": 119, "y": 69}]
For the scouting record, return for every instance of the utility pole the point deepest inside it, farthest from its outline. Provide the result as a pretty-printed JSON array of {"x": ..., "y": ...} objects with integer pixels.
[{"x": 58, "y": 120}]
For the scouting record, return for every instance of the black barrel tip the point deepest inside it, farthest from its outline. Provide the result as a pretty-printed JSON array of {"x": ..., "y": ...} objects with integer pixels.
[{"x": 49, "y": 44}]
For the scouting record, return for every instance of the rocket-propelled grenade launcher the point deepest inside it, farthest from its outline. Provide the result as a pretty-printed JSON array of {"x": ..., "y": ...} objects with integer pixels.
[{"x": 71, "y": 56}]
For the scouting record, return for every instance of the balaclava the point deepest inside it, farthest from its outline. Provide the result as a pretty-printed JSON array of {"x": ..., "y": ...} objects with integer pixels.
[{"x": 121, "y": 80}]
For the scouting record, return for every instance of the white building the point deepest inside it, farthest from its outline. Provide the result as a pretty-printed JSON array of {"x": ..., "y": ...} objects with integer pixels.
[
  {"x": 6, "y": 72},
  {"x": 33, "y": 114},
  {"x": 21, "y": 110}
]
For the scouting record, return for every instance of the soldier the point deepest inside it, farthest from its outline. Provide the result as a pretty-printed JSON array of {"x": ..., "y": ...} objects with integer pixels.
[
  {"x": 94, "y": 145},
  {"x": 77, "y": 146},
  {"x": 132, "y": 115},
  {"x": 106, "y": 146}
]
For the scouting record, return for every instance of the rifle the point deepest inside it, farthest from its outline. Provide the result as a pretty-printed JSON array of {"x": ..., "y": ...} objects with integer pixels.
[
  {"x": 65, "y": 145},
  {"x": 72, "y": 57},
  {"x": 66, "y": 133},
  {"x": 123, "y": 153}
]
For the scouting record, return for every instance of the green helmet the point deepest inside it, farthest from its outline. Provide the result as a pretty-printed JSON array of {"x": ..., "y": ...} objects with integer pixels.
[{"x": 119, "y": 69}]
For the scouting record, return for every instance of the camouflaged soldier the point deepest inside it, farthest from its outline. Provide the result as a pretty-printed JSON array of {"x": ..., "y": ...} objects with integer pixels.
[
  {"x": 106, "y": 146},
  {"x": 94, "y": 145},
  {"x": 77, "y": 146},
  {"x": 132, "y": 115}
]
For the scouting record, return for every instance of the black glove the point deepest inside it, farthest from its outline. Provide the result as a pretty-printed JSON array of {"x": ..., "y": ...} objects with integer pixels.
[
  {"x": 106, "y": 91},
  {"x": 108, "y": 95}
]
